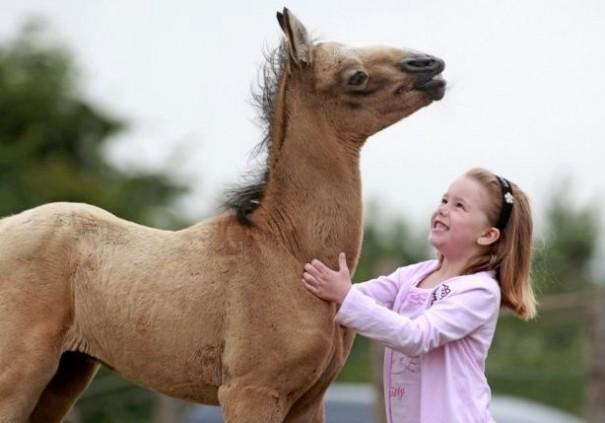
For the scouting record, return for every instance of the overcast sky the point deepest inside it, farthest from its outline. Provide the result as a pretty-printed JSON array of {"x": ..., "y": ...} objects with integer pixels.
[{"x": 526, "y": 94}]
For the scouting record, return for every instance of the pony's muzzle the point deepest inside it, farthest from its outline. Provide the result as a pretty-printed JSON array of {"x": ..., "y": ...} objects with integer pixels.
[{"x": 426, "y": 70}]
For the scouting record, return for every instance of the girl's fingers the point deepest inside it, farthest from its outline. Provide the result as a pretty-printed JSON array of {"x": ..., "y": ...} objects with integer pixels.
[
  {"x": 310, "y": 287},
  {"x": 312, "y": 270},
  {"x": 309, "y": 278},
  {"x": 342, "y": 262},
  {"x": 322, "y": 268}
]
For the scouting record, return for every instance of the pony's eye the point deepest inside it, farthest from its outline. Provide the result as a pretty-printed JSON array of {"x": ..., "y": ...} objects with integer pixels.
[{"x": 358, "y": 78}]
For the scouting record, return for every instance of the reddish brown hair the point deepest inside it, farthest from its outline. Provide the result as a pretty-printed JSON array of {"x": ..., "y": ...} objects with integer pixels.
[{"x": 510, "y": 256}]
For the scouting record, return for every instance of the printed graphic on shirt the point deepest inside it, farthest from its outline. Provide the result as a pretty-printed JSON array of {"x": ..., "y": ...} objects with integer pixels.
[
  {"x": 440, "y": 293},
  {"x": 405, "y": 371},
  {"x": 404, "y": 389},
  {"x": 397, "y": 392},
  {"x": 402, "y": 363}
]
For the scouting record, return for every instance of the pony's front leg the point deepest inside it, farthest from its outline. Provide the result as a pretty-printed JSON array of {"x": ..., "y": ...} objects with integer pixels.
[
  {"x": 247, "y": 402},
  {"x": 27, "y": 364},
  {"x": 313, "y": 413}
]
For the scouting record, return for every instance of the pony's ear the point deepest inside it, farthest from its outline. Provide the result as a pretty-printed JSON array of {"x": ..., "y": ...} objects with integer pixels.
[{"x": 299, "y": 44}]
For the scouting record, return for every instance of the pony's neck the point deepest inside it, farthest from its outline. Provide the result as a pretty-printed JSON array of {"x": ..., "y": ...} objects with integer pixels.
[{"x": 312, "y": 199}]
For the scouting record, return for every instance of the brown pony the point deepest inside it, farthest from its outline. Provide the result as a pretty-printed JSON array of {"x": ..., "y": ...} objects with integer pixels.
[{"x": 215, "y": 313}]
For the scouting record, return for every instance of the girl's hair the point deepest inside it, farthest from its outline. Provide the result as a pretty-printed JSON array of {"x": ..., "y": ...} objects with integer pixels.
[{"x": 510, "y": 256}]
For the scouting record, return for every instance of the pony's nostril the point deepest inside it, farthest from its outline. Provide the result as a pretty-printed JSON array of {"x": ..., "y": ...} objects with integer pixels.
[{"x": 421, "y": 63}]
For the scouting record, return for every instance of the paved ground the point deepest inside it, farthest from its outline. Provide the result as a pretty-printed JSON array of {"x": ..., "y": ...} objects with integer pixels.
[
  {"x": 354, "y": 404},
  {"x": 335, "y": 413},
  {"x": 344, "y": 404}
]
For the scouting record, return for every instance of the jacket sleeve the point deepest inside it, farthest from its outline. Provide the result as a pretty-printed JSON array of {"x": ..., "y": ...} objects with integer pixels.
[
  {"x": 383, "y": 289},
  {"x": 447, "y": 320}
]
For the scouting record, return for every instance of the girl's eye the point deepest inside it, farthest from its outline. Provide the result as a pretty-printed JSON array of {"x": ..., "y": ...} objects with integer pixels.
[
  {"x": 460, "y": 206},
  {"x": 443, "y": 201}
]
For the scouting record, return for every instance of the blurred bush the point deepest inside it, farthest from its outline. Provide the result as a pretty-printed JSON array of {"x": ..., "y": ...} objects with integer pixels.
[
  {"x": 52, "y": 143},
  {"x": 52, "y": 138}
]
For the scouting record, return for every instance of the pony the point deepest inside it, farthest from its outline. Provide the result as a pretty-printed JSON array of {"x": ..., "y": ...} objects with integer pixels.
[{"x": 214, "y": 313}]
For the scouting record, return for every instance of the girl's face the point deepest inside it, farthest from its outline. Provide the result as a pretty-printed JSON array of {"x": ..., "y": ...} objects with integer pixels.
[{"x": 459, "y": 224}]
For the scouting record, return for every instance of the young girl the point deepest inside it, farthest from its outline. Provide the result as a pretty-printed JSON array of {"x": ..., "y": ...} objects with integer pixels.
[{"x": 437, "y": 318}]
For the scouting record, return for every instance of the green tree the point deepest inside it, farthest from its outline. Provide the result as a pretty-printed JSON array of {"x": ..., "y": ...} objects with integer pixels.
[
  {"x": 52, "y": 143},
  {"x": 546, "y": 359},
  {"x": 389, "y": 243},
  {"x": 563, "y": 255},
  {"x": 52, "y": 138}
]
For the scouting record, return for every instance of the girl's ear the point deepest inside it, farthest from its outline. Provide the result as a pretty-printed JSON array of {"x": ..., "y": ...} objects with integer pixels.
[{"x": 489, "y": 236}]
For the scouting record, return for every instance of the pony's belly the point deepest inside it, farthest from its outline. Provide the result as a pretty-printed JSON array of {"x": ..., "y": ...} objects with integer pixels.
[
  {"x": 182, "y": 363},
  {"x": 173, "y": 376},
  {"x": 194, "y": 392}
]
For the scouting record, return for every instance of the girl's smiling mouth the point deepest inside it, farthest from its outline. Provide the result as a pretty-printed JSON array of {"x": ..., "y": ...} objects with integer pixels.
[{"x": 439, "y": 226}]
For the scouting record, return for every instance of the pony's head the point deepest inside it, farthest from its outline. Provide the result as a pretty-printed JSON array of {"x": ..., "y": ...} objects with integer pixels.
[
  {"x": 363, "y": 90},
  {"x": 318, "y": 99}
]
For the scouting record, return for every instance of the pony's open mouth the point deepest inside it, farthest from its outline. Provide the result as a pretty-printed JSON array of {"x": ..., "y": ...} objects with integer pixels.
[{"x": 434, "y": 86}]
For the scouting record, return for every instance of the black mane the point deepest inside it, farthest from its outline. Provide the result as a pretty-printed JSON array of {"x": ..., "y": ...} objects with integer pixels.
[{"x": 243, "y": 200}]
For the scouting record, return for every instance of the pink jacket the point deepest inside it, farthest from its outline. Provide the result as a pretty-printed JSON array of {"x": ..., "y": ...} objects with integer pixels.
[{"x": 451, "y": 338}]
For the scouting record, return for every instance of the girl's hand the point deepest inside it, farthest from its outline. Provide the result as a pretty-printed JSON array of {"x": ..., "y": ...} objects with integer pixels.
[{"x": 328, "y": 284}]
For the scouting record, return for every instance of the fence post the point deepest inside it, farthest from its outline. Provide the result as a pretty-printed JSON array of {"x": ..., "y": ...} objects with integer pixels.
[
  {"x": 73, "y": 416},
  {"x": 596, "y": 363}
]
